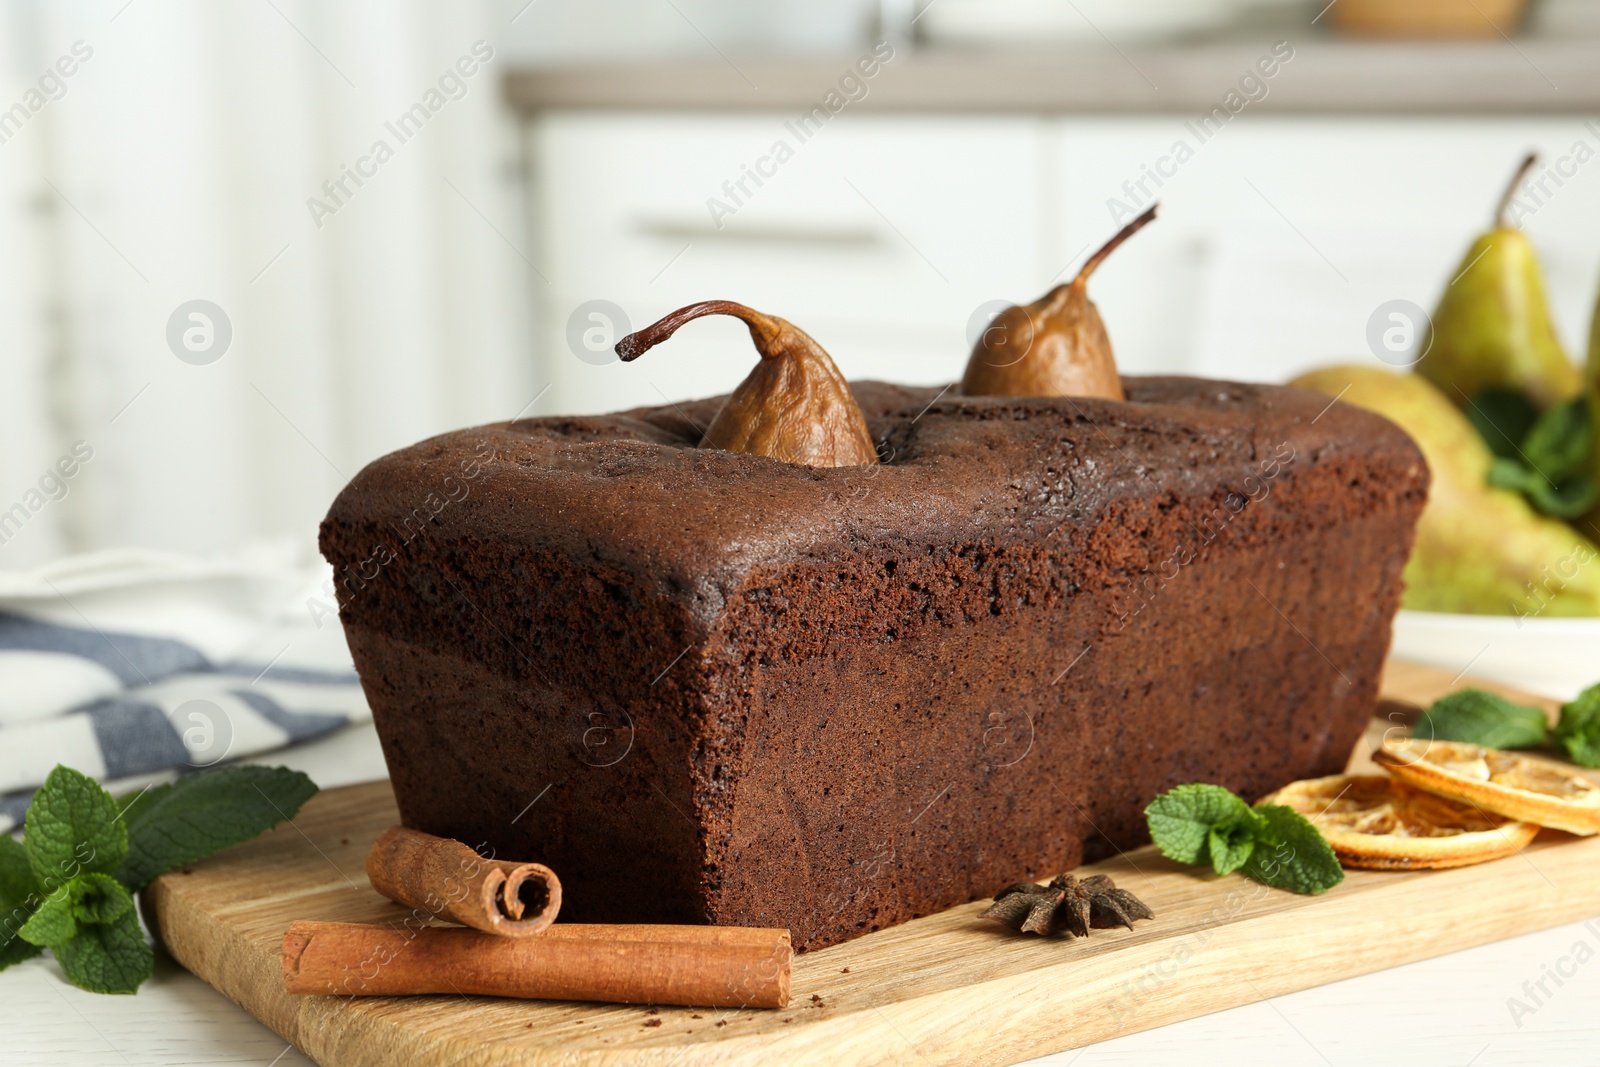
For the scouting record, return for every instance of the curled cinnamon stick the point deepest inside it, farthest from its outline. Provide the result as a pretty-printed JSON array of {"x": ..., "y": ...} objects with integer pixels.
[
  {"x": 447, "y": 879},
  {"x": 700, "y": 966}
]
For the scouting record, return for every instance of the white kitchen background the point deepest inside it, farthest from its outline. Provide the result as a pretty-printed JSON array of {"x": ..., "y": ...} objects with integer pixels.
[
  {"x": 177, "y": 161},
  {"x": 883, "y": 236}
]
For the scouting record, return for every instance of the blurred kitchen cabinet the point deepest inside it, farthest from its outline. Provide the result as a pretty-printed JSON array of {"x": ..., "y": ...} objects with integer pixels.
[
  {"x": 878, "y": 236},
  {"x": 887, "y": 236}
]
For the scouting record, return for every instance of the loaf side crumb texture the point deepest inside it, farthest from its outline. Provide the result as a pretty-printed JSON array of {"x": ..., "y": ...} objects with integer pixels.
[{"x": 710, "y": 687}]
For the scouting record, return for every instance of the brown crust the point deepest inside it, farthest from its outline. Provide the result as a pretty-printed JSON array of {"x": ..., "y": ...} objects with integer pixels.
[{"x": 749, "y": 678}]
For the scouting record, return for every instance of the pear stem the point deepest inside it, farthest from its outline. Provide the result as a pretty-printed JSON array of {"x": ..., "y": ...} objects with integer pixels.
[
  {"x": 1111, "y": 246},
  {"x": 763, "y": 328},
  {"x": 1511, "y": 190}
]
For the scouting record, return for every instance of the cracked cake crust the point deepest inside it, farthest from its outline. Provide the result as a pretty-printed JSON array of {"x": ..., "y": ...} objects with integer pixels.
[{"x": 836, "y": 699}]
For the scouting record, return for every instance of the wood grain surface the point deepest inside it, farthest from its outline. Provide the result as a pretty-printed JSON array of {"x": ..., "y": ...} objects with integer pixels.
[{"x": 947, "y": 989}]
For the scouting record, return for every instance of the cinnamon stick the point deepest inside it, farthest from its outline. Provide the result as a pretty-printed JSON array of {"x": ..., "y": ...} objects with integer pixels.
[
  {"x": 700, "y": 966},
  {"x": 449, "y": 880}
]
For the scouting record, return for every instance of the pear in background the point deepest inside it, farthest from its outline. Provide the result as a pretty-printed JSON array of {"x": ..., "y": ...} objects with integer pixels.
[
  {"x": 1492, "y": 328},
  {"x": 1479, "y": 550}
]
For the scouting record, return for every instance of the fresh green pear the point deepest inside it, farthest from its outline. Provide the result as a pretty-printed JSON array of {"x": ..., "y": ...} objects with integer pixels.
[
  {"x": 1492, "y": 328},
  {"x": 1479, "y": 550}
]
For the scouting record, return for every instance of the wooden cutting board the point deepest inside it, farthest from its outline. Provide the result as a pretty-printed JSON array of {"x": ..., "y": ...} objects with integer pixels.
[{"x": 947, "y": 989}]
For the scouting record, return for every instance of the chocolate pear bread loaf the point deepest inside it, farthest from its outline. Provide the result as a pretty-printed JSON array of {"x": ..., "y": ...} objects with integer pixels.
[{"x": 712, "y": 686}]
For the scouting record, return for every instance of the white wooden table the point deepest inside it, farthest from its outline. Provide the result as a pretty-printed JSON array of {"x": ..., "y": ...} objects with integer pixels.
[{"x": 1451, "y": 1011}]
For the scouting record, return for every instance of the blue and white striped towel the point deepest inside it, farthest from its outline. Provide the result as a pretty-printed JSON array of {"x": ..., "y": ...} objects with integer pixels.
[{"x": 128, "y": 663}]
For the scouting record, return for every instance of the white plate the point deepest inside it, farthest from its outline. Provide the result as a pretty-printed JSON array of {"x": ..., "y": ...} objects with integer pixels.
[
  {"x": 1087, "y": 21},
  {"x": 1551, "y": 657}
]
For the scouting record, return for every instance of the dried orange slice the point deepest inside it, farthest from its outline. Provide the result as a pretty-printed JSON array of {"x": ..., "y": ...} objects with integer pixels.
[
  {"x": 1506, "y": 783},
  {"x": 1374, "y": 821}
]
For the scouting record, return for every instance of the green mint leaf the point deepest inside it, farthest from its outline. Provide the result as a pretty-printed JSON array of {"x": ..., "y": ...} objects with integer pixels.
[
  {"x": 17, "y": 883},
  {"x": 16, "y": 950},
  {"x": 1479, "y": 717},
  {"x": 98, "y": 899},
  {"x": 1510, "y": 473},
  {"x": 1270, "y": 843},
  {"x": 1291, "y": 854},
  {"x": 1572, "y": 498},
  {"x": 1230, "y": 844},
  {"x": 109, "y": 958},
  {"x": 19, "y": 895},
  {"x": 1560, "y": 442},
  {"x": 1181, "y": 820},
  {"x": 54, "y": 921},
  {"x": 136, "y": 806},
  {"x": 207, "y": 812},
  {"x": 1578, "y": 732},
  {"x": 1551, "y": 465},
  {"x": 87, "y": 900},
  {"x": 1502, "y": 418},
  {"x": 72, "y": 827}
]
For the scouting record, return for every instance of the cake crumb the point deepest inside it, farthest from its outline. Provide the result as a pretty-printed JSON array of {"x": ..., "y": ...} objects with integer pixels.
[
  {"x": 816, "y": 998},
  {"x": 652, "y": 1022},
  {"x": 789, "y": 1020},
  {"x": 722, "y": 1022},
  {"x": 697, "y": 1015},
  {"x": 844, "y": 970}
]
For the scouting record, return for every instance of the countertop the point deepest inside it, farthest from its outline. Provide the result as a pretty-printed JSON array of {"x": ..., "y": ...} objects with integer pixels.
[
  {"x": 1325, "y": 76},
  {"x": 1453, "y": 1010}
]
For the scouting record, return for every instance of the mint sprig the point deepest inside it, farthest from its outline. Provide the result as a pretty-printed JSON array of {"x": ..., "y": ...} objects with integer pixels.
[
  {"x": 1182, "y": 820},
  {"x": 107, "y": 957},
  {"x": 1578, "y": 732},
  {"x": 1479, "y": 717},
  {"x": 1503, "y": 418},
  {"x": 1559, "y": 443},
  {"x": 68, "y": 885},
  {"x": 1207, "y": 825},
  {"x": 1545, "y": 457},
  {"x": 19, "y": 893},
  {"x": 188, "y": 820},
  {"x": 1292, "y": 854},
  {"x": 72, "y": 828},
  {"x": 1567, "y": 499}
]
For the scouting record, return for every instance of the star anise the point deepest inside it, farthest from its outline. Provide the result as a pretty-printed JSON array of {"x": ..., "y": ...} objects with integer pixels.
[{"x": 1068, "y": 905}]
